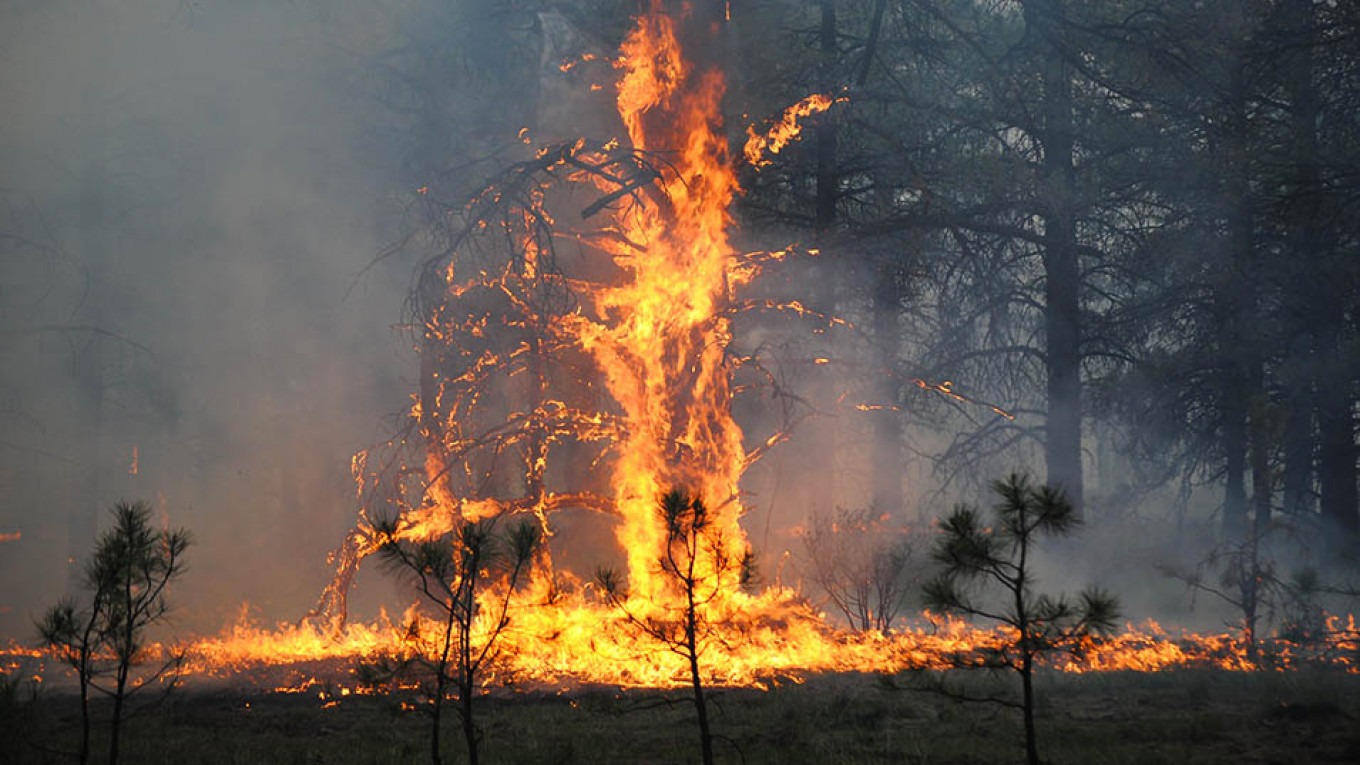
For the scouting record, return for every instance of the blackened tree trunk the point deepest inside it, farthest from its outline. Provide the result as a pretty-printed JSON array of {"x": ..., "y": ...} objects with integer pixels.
[
  {"x": 1235, "y": 288},
  {"x": 1328, "y": 270},
  {"x": 1259, "y": 453},
  {"x": 696, "y": 679},
  {"x": 828, "y": 177},
  {"x": 1299, "y": 403},
  {"x": 814, "y": 464},
  {"x": 1025, "y": 641},
  {"x": 1336, "y": 430}
]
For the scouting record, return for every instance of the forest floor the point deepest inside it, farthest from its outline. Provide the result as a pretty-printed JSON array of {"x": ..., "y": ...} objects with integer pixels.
[{"x": 1185, "y": 716}]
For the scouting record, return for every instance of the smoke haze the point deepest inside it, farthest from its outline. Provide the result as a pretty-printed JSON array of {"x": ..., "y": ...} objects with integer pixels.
[{"x": 190, "y": 199}]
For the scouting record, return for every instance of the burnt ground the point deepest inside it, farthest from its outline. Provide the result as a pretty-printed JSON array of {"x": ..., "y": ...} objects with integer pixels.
[{"x": 1185, "y": 716}]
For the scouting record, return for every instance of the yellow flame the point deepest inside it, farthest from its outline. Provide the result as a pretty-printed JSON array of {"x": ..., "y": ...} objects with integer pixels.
[{"x": 759, "y": 146}]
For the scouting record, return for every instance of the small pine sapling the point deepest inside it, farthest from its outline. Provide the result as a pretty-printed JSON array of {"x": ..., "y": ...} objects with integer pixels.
[
  {"x": 125, "y": 580},
  {"x": 988, "y": 572},
  {"x": 468, "y": 576}
]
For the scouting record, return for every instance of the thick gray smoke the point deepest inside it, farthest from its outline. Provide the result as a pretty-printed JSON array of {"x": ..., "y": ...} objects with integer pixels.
[{"x": 190, "y": 195}]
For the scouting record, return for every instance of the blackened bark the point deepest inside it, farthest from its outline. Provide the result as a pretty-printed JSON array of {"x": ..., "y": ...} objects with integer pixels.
[
  {"x": 814, "y": 465},
  {"x": 1340, "y": 505},
  {"x": 1325, "y": 302},
  {"x": 1301, "y": 285},
  {"x": 1299, "y": 403},
  {"x": 1262, "y": 480}
]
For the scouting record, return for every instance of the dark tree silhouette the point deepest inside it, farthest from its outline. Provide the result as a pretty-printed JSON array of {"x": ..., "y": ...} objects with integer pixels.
[
  {"x": 456, "y": 573},
  {"x": 976, "y": 557},
  {"x": 696, "y": 563},
  {"x": 125, "y": 578}
]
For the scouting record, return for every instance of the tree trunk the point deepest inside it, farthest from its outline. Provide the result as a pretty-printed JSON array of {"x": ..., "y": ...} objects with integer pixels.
[
  {"x": 1062, "y": 274},
  {"x": 441, "y": 675},
  {"x": 888, "y": 447},
  {"x": 1235, "y": 295},
  {"x": 116, "y": 723},
  {"x": 84, "y": 674},
  {"x": 813, "y": 461},
  {"x": 828, "y": 179},
  {"x": 1234, "y": 442},
  {"x": 692, "y": 654},
  {"x": 467, "y": 689},
  {"x": 1328, "y": 289},
  {"x": 436, "y": 719},
  {"x": 1027, "y": 688},
  {"x": 1262, "y": 482},
  {"x": 1025, "y": 644},
  {"x": 1304, "y": 279},
  {"x": 1336, "y": 431},
  {"x": 1298, "y": 439},
  {"x": 701, "y": 711}
]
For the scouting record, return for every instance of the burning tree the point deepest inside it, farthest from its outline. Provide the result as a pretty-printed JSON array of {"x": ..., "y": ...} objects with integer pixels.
[
  {"x": 582, "y": 366},
  {"x": 974, "y": 555},
  {"x": 577, "y": 351}
]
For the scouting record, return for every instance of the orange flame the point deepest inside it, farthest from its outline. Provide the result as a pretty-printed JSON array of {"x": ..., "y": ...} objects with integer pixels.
[
  {"x": 787, "y": 130},
  {"x": 560, "y": 647}
]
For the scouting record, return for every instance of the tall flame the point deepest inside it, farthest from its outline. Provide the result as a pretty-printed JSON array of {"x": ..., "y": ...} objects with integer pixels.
[{"x": 661, "y": 333}]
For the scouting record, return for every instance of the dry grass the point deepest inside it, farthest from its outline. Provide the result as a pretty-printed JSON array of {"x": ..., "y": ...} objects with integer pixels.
[{"x": 1179, "y": 717}]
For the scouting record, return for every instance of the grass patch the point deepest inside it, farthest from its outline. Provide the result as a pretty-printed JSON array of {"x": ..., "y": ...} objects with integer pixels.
[{"x": 1188, "y": 716}]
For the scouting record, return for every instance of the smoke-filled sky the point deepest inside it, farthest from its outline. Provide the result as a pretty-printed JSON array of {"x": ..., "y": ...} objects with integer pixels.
[{"x": 190, "y": 195}]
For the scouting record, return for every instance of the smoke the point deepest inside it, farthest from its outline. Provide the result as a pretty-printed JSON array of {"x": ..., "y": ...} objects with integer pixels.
[{"x": 192, "y": 195}]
